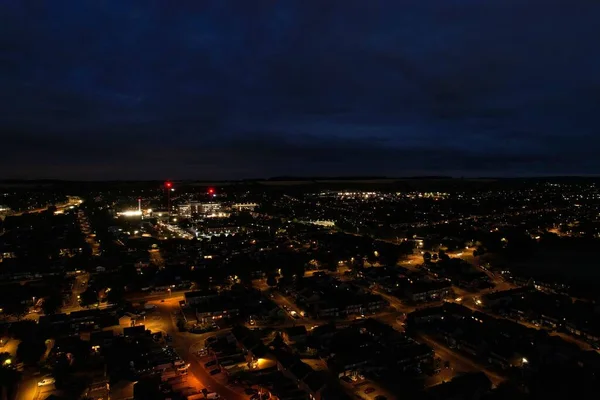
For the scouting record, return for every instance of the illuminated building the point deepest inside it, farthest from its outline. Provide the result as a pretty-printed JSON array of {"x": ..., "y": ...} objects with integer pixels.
[
  {"x": 244, "y": 206},
  {"x": 197, "y": 208}
]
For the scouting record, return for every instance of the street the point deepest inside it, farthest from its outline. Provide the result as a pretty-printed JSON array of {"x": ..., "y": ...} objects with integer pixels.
[
  {"x": 73, "y": 202},
  {"x": 458, "y": 361},
  {"x": 184, "y": 344}
]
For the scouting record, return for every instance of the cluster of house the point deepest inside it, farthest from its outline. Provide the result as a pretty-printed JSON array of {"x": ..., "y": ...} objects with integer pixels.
[
  {"x": 371, "y": 346},
  {"x": 323, "y": 296},
  {"x": 552, "y": 311},
  {"x": 344, "y": 351},
  {"x": 408, "y": 285},
  {"x": 152, "y": 355},
  {"x": 50, "y": 239},
  {"x": 202, "y": 307},
  {"x": 284, "y": 373},
  {"x": 85, "y": 320},
  {"x": 543, "y": 284},
  {"x": 94, "y": 332},
  {"x": 497, "y": 341},
  {"x": 459, "y": 272}
]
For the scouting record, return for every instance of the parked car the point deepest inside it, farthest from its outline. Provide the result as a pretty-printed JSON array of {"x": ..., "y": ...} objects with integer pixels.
[
  {"x": 210, "y": 340},
  {"x": 215, "y": 371},
  {"x": 202, "y": 352},
  {"x": 46, "y": 381}
]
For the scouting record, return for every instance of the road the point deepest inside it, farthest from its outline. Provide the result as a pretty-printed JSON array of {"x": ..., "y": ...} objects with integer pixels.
[
  {"x": 28, "y": 388},
  {"x": 283, "y": 302},
  {"x": 184, "y": 343},
  {"x": 73, "y": 202},
  {"x": 79, "y": 286},
  {"x": 90, "y": 238},
  {"x": 459, "y": 361},
  {"x": 152, "y": 297}
]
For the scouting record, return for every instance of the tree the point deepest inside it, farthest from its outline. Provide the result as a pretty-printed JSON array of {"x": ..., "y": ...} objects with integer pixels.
[
  {"x": 372, "y": 257},
  {"x": 15, "y": 308},
  {"x": 89, "y": 297},
  {"x": 24, "y": 329},
  {"x": 181, "y": 325},
  {"x": 271, "y": 280},
  {"x": 9, "y": 376},
  {"x": 115, "y": 295},
  {"x": 292, "y": 266},
  {"x": 443, "y": 256},
  {"x": 245, "y": 275},
  {"x": 427, "y": 257},
  {"x": 277, "y": 341},
  {"x": 52, "y": 303},
  {"x": 31, "y": 350}
]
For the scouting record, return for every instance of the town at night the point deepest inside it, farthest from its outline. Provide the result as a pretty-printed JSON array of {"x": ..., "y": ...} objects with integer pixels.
[{"x": 299, "y": 200}]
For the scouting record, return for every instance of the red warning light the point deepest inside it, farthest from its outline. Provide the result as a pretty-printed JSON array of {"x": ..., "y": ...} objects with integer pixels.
[
  {"x": 211, "y": 191},
  {"x": 168, "y": 184}
]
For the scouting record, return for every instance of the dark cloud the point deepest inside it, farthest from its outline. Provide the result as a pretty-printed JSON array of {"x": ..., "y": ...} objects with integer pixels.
[{"x": 234, "y": 89}]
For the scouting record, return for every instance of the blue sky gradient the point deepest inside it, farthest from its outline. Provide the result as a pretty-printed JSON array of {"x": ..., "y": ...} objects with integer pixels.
[{"x": 219, "y": 89}]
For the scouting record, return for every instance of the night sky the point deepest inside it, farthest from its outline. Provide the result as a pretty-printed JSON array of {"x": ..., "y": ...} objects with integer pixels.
[{"x": 217, "y": 89}]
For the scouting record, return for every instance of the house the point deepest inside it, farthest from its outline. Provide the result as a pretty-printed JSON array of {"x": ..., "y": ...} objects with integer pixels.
[
  {"x": 323, "y": 334},
  {"x": 84, "y": 320},
  {"x": 420, "y": 291},
  {"x": 314, "y": 385},
  {"x": 216, "y": 310},
  {"x": 200, "y": 297},
  {"x": 190, "y": 317},
  {"x": 127, "y": 319},
  {"x": 101, "y": 339},
  {"x": 302, "y": 374},
  {"x": 248, "y": 342},
  {"x": 53, "y": 320},
  {"x": 334, "y": 392},
  {"x": 298, "y": 371},
  {"x": 295, "y": 335},
  {"x": 325, "y": 297},
  {"x": 504, "y": 297},
  {"x": 425, "y": 315},
  {"x": 504, "y": 356},
  {"x": 99, "y": 389},
  {"x": 134, "y": 331},
  {"x": 589, "y": 329}
]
